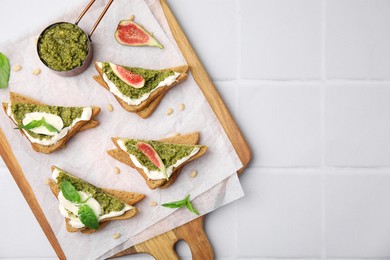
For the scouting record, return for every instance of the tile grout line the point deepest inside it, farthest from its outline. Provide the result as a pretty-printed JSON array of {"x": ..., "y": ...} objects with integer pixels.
[
  {"x": 239, "y": 40},
  {"x": 322, "y": 95},
  {"x": 237, "y": 102},
  {"x": 237, "y": 81},
  {"x": 304, "y": 81},
  {"x": 322, "y": 168}
]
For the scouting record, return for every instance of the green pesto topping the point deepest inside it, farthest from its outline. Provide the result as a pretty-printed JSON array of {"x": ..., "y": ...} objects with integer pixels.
[
  {"x": 67, "y": 114},
  {"x": 63, "y": 47},
  {"x": 169, "y": 153},
  {"x": 152, "y": 78},
  {"x": 107, "y": 202}
]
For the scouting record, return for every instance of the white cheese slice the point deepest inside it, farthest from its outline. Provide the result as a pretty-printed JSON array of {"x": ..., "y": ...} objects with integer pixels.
[
  {"x": 51, "y": 119},
  {"x": 85, "y": 116}
]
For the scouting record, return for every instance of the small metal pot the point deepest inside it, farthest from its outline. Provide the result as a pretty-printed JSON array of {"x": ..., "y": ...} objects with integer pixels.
[{"x": 87, "y": 61}]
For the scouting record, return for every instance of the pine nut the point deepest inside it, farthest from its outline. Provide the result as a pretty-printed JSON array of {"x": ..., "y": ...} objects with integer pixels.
[
  {"x": 193, "y": 174},
  {"x": 36, "y": 72},
  {"x": 116, "y": 235},
  {"x": 17, "y": 68},
  {"x": 169, "y": 111}
]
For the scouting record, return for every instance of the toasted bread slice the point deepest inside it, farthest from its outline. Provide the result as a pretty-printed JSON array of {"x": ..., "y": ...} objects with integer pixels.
[
  {"x": 147, "y": 111},
  {"x": 188, "y": 139},
  {"x": 78, "y": 127},
  {"x": 146, "y": 107},
  {"x": 130, "y": 198}
]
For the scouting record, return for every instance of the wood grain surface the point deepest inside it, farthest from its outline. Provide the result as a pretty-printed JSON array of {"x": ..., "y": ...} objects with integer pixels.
[{"x": 162, "y": 246}]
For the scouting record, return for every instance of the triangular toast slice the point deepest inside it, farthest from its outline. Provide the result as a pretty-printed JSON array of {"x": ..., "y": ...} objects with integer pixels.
[
  {"x": 78, "y": 127},
  {"x": 188, "y": 139},
  {"x": 129, "y": 198},
  {"x": 146, "y": 107}
]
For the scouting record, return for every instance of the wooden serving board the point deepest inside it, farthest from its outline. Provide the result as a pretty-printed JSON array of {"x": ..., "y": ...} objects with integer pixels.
[{"x": 162, "y": 246}]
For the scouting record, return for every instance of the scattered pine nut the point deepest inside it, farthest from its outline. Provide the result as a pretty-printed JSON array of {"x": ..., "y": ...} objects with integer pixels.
[
  {"x": 17, "y": 68},
  {"x": 169, "y": 111},
  {"x": 36, "y": 72},
  {"x": 47, "y": 181},
  {"x": 193, "y": 173},
  {"x": 117, "y": 170},
  {"x": 153, "y": 203},
  {"x": 110, "y": 108},
  {"x": 116, "y": 235},
  {"x": 132, "y": 17},
  {"x": 176, "y": 134},
  {"x": 182, "y": 107}
]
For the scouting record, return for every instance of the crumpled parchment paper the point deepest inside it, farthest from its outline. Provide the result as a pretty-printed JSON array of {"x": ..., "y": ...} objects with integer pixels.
[{"x": 85, "y": 155}]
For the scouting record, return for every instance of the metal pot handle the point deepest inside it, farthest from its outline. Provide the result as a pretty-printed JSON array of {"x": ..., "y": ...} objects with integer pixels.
[
  {"x": 84, "y": 11},
  {"x": 100, "y": 17}
]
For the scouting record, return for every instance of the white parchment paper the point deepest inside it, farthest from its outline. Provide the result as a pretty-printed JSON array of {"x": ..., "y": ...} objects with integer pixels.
[{"x": 85, "y": 155}]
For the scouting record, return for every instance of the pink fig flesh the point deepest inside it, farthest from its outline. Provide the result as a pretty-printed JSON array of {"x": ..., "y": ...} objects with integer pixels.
[
  {"x": 153, "y": 156},
  {"x": 130, "y": 33},
  {"x": 130, "y": 78}
]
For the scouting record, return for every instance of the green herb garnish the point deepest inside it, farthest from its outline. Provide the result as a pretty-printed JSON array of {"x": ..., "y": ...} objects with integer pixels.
[
  {"x": 85, "y": 213},
  {"x": 88, "y": 217},
  {"x": 4, "y": 71},
  {"x": 181, "y": 203},
  {"x": 70, "y": 193},
  {"x": 37, "y": 123}
]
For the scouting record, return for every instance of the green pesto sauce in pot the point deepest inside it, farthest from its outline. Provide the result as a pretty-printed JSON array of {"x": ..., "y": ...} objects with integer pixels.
[
  {"x": 67, "y": 114},
  {"x": 169, "y": 153},
  {"x": 108, "y": 202},
  {"x": 152, "y": 78},
  {"x": 63, "y": 47}
]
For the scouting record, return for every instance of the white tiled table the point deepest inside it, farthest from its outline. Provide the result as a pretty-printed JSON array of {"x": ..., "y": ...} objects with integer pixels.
[{"x": 309, "y": 84}]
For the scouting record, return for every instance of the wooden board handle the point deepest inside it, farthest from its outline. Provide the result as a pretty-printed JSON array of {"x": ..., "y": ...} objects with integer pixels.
[
  {"x": 163, "y": 246},
  {"x": 197, "y": 240}
]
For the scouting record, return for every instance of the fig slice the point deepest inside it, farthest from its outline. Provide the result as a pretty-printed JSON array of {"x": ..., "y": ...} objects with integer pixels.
[
  {"x": 153, "y": 156},
  {"x": 130, "y": 78},
  {"x": 130, "y": 33}
]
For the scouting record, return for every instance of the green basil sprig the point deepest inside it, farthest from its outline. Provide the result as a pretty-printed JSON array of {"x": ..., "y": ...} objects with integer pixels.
[
  {"x": 181, "y": 203},
  {"x": 4, "y": 71},
  {"x": 37, "y": 123},
  {"x": 85, "y": 213},
  {"x": 69, "y": 192},
  {"x": 88, "y": 217}
]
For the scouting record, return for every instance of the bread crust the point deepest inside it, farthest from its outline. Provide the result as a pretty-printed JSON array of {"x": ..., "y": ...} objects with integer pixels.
[
  {"x": 78, "y": 127},
  {"x": 189, "y": 139},
  {"x": 130, "y": 198},
  {"x": 148, "y": 106}
]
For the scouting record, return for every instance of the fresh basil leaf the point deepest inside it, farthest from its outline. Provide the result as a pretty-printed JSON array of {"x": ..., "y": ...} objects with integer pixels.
[
  {"x": 181, "y": 203},
  {"x": 176, "y": 204},
  {"x": 31, "y": 125},
  {"x": 191, "y": 208},
  {"x": 49, "y": 126},
  {"x": 37, "y": 123},
  {"x": 70, "y": 193},
  {"x": 4, "y": 71},
  {"x": 88, "y": 217}
]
